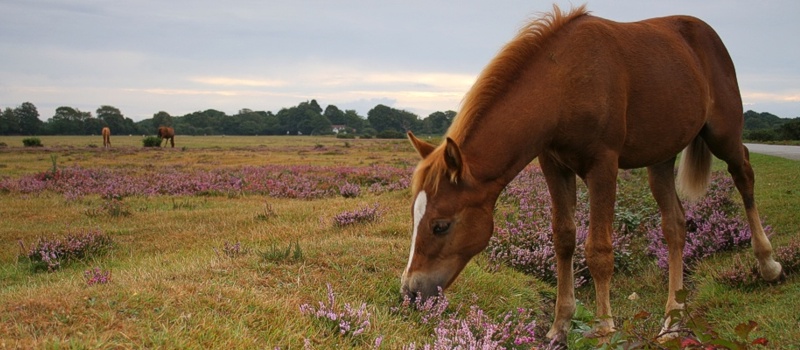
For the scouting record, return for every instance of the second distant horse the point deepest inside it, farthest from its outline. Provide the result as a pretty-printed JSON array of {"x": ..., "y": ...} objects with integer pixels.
[
  {"x": 165, "y": 133},
  {"x": 106, "y": 137}
]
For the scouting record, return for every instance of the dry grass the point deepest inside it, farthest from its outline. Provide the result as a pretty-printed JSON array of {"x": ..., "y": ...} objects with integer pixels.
[{"x": 172, "y": 285}]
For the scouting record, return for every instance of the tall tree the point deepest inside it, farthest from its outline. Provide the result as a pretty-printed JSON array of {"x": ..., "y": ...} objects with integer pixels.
[
  {"x": 384, "y": 118},
  {"x": 354, "y": 121},
  {"x": 790, "y": 130},
  {"x": 335, "y": 115},
  {"x": 113, "y": 118},
  {"x": 28, "y": 117},
  {"x": 69, "y": 121},
  {"x": 438, "y": 122},
  {"x": 9, "y": 123},
  {"x": 162, "y": 119}
]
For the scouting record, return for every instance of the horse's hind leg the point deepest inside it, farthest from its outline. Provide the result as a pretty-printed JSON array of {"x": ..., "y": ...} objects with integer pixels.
[
  {"x": 561, "y": 185},
  {"x": 673, "y": 225},
  {"x": 731, "y": 150}
]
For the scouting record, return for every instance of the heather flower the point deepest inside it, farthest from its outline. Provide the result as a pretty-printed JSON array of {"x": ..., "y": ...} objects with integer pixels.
[
  {"x": 52, "y": 253},
  {"x": 523, "y": 235},
  {"x": 789, "y": 256},
  {"x": 712, "y": 225},
  {"x": 233, "y": 250},
  {"x": 277, "y": 181},
  {"x": 346, "y": 321},
  {"x": 475, "y": 330},
  {"x": 349, "y": 190},
  {"x": 363, "y": 215},
  {"x": 96, "y": 276}
]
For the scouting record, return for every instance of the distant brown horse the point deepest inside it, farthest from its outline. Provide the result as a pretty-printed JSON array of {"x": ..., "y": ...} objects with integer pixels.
[
  {"x": 164, "y": 133},
  {"x": 587, "y": 96},
  {"x": 106, "y": 137}
]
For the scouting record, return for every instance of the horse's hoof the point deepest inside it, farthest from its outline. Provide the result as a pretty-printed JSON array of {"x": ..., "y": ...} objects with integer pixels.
[
  {"x": 556, "y": 345},
  {"x": 668, "y": 334},
  {"x": 772, "y": 271},
  {"x": 558, "y": 339},
  {"x": 602, "y": 336}
]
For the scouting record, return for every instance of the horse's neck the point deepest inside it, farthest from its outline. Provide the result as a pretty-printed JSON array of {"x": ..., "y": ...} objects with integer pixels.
[{"x": 499, "y": 149}]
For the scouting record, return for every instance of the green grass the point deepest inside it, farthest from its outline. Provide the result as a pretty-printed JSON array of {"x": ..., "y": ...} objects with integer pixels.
[{"x": 172, "y": 287}]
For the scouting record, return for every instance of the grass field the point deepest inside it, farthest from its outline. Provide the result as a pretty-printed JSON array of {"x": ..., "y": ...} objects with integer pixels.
[{"x": 231, "y": 269}]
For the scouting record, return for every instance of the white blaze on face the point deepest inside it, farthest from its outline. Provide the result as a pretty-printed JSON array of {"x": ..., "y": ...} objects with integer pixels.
[{"x": 420, "y": 204}]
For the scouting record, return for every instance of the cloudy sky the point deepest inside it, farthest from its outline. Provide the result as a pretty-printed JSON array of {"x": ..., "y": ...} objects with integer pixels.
[{"x": 182, "y": 56}]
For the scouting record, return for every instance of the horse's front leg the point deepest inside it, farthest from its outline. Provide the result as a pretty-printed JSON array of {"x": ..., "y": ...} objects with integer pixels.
[
  {"x": 561, "y": 184},
  {"x": 602, "y": 183}
]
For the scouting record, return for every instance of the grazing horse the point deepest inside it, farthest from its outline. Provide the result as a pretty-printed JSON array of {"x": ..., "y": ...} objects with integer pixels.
[
  {"x": 587, "y": 96},
  {"x": 164, "y": 133},
  {"x": 106, "y": 137}
]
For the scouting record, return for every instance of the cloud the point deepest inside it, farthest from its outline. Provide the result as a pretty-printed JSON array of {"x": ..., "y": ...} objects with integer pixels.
[
  {"x": 228, "y": 81},
  {"x": 751, "y": 97}
]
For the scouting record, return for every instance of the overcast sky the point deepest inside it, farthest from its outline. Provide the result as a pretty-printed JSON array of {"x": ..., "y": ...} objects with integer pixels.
[{"x": 182, "y": 56}]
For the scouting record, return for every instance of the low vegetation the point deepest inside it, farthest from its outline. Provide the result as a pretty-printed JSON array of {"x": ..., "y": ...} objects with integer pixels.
[{"x": 298, "y": 242}]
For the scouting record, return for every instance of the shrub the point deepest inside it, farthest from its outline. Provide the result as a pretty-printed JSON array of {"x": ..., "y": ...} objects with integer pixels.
[
  {"x": 363, "y": 215},
  {"x": 151, "y": 141},
  {"x": 523, "y": 235},
  {"x": 789, "y": 256},
  {"x": 762, "y": 135},
  {"x": 96, "y": 276},
  {"x": 345, "y": 321},
  {"x": 349, "y": 190},
  {"x": 473, "y": 330},
  {"x": 690, "y": 331},
  {"x": 32, "y": 142},
  {"x": 390, "y": 134},
  {"x": 712, "y": 225},
  {"x": 52, "y": 253},
  {"x": 233, "y": 250}
]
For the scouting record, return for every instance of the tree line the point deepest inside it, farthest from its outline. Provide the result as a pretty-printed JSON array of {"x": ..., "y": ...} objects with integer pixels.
[
  {"x": 307, "y": 118},
  {"x": 769, "y": 127}
]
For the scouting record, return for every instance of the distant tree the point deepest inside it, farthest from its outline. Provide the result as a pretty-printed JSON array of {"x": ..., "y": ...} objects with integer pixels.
[
  {"x": 438, "y": 122},
  {"x": 354, "y": 121},
  {"x": 93, "y": 126},
  {"x": 113, "y": 118},
  {"x": 28, "y": 117},
  {"x": 314, "y": 106},
  {"x": 335, "y": 115},
  {"x": 69, "y": 121},
  {"x": 761, "y": 135},
  {"x": 162, "y": 119},
  {"x": 790, "y": 130},
  {"x": 384, "y": 118},
  {"x": 9, "y": 123},
  {"x": 755, "y": 121},
  {"x": 208, "y": 122},
  {"x": 306, "y": 118}
]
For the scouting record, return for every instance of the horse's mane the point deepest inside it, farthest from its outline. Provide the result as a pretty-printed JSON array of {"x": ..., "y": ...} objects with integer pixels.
[
  {"x": 506, "y": 65},
  {"x": 492, "y": 81}
]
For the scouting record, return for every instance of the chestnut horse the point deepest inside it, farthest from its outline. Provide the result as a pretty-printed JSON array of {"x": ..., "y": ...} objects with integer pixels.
[
  {"x": 164, "y": 133},
  {"x": 106, "y": 137},
  {"x": 587, "y": 96}
]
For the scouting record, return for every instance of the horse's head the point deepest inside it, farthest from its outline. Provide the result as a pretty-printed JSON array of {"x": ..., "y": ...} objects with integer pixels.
[{"x": 452, "y": 219}]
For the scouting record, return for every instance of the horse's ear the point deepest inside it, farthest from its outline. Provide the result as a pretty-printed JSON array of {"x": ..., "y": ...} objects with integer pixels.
[
  {"x": 423, "y": 148},
  {"x": 452, "y": 157}
]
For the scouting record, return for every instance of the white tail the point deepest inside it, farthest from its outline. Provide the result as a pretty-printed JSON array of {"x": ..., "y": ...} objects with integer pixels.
[{"x": 694, "y": 171}]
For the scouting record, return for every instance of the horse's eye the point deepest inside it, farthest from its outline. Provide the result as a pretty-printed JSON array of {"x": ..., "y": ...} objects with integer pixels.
[{"x": 440, "y": 227}]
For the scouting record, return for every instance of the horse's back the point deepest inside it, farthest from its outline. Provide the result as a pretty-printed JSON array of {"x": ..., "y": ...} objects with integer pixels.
[{"x": 658, "y": 78}]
